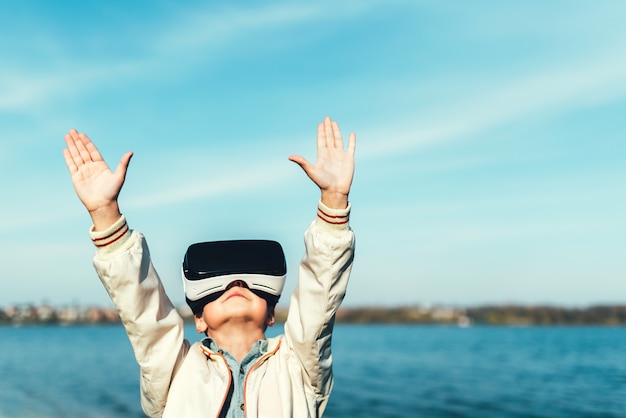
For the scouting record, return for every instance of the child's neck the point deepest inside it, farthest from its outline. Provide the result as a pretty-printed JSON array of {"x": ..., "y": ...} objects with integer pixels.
[{"x": 237, "y": 340}]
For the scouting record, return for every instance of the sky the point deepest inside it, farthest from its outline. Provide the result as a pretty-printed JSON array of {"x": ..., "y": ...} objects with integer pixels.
[{"x": 490, "y": 157}]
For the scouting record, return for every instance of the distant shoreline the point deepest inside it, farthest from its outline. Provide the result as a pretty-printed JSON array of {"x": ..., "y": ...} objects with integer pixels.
[{"x": 510, "y": 315}]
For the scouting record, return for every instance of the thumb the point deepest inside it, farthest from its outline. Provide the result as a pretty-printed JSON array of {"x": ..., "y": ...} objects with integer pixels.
[
  {"x": 308, "y": 168},
  {"x": 122, "y": 167},
  {"x": 301, "y": 161}
]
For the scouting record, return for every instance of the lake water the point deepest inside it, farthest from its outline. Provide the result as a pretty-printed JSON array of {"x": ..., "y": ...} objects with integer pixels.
[{"x": 380, "y": 371}]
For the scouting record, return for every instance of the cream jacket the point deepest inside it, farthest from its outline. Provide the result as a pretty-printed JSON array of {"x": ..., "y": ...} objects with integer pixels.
[{"x": 180, "y": 380}]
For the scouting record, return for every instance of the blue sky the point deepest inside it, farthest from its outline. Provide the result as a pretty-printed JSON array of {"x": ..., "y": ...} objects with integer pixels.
[{"x": 491, "y": 151}]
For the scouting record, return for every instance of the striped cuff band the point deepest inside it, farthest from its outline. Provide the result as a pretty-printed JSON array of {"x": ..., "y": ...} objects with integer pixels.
[
  {"x": 112, "y": 235},
  {"x": 335, "y": 217}
]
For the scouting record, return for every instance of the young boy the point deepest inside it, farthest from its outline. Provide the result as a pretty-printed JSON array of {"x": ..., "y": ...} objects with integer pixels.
[{"x": 235, "y": 371}]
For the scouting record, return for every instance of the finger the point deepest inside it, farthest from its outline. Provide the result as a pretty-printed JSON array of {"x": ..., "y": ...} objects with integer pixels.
[
  {"x": 70, "y": 141},
  {"x": 69, "y": 161},
  {"x": 352, "y": 143},
  {"x": 91, "y": 148},
  {"x": 122, "y": 167},
  {"x": 302, "y": 162},
  {"x": 338, "y": 142},
  {"x": 328, "y": 132},
  {"x": 82, "y": 150},
  {"x": 321, "y": 140},
  {"x": 298, "y": 159}
]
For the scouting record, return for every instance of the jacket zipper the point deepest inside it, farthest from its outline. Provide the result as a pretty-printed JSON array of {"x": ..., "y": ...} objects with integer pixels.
[
  {"x": 210, "y": 354},
  {"x": 254, "y": 366}
]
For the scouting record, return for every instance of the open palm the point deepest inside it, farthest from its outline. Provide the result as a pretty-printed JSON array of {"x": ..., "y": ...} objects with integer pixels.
[
  {"x": 334, "y": 169},
  {"x": 96, "y": 185}
]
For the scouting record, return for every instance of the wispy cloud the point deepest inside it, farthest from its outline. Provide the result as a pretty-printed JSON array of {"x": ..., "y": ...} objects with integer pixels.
[
  {"x": 187, "y": 178},
  {"x": 233, "y": 181},
  {"x": 197, "y": 35},
  {"x": 205, "y": 29},
  {"x": 24, "y": 90},
  {"x": 554, "y": 90},
  {"x": 208, "y": 27},
  {"x": 451, "y": 235}
]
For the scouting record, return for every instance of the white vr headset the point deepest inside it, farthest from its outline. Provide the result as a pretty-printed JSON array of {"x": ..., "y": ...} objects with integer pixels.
[{"x": 209, "y": 267}]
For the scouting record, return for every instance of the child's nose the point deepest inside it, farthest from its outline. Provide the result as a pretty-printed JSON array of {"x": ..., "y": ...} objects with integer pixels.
[{"x": 238, "y": 283}]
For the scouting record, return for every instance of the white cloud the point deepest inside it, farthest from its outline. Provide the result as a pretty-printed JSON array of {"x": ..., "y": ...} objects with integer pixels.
[
  {"x": 192, "y": 186},
  {"x": 25, "y": 90},
  {"x": 202, "y": 29},
  {"x": 197, "y": 35},
  {"x": 593, "y": 80},
  {"x": 182, "y": 182}
]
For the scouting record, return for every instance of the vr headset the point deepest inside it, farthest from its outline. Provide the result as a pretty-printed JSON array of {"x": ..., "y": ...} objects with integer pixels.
[{"x": 209, "y": 267}]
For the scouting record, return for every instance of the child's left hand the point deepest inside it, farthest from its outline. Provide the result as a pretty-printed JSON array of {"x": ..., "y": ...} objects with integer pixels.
[{"x": 334, "y": 169}]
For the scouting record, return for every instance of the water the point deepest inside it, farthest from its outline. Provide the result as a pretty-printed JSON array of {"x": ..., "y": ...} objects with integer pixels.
[
  {"x": 411, "y": 371},
  {"x": 380, "y": 371}
]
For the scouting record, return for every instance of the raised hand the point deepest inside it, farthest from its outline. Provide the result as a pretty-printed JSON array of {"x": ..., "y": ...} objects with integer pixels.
[
  {"x": 334, "y": 169},
  {"x": 96, "y": 185}
]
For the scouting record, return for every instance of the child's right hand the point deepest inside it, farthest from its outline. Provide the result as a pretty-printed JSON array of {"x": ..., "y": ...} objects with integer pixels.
[{"x": 96, "y": 185}]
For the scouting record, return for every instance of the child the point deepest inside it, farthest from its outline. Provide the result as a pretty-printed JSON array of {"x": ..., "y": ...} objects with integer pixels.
[{"x": 235, "y": 370}]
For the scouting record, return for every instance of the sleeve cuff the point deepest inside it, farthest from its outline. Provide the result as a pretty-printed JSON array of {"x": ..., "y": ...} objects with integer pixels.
[
  {"x": 112, "y": 238},
  {"x": 337, "y": 219}
]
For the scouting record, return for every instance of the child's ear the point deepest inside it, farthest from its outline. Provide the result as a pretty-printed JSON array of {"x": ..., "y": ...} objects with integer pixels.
[
  {"x": 201, "y": 326},
  {"x": 270, "y": 319}
]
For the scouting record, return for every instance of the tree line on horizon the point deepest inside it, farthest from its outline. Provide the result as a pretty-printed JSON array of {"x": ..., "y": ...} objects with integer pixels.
[{"x": 513, "y": 315}]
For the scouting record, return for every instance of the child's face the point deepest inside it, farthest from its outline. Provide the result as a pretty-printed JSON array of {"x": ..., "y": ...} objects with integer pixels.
[{"x": 238, "y": 305}]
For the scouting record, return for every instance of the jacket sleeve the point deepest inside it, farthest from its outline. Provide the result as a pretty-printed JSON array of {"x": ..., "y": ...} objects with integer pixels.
[
  {"x": 322, "y": 280},
  {"x": 153, "y": 325}
]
